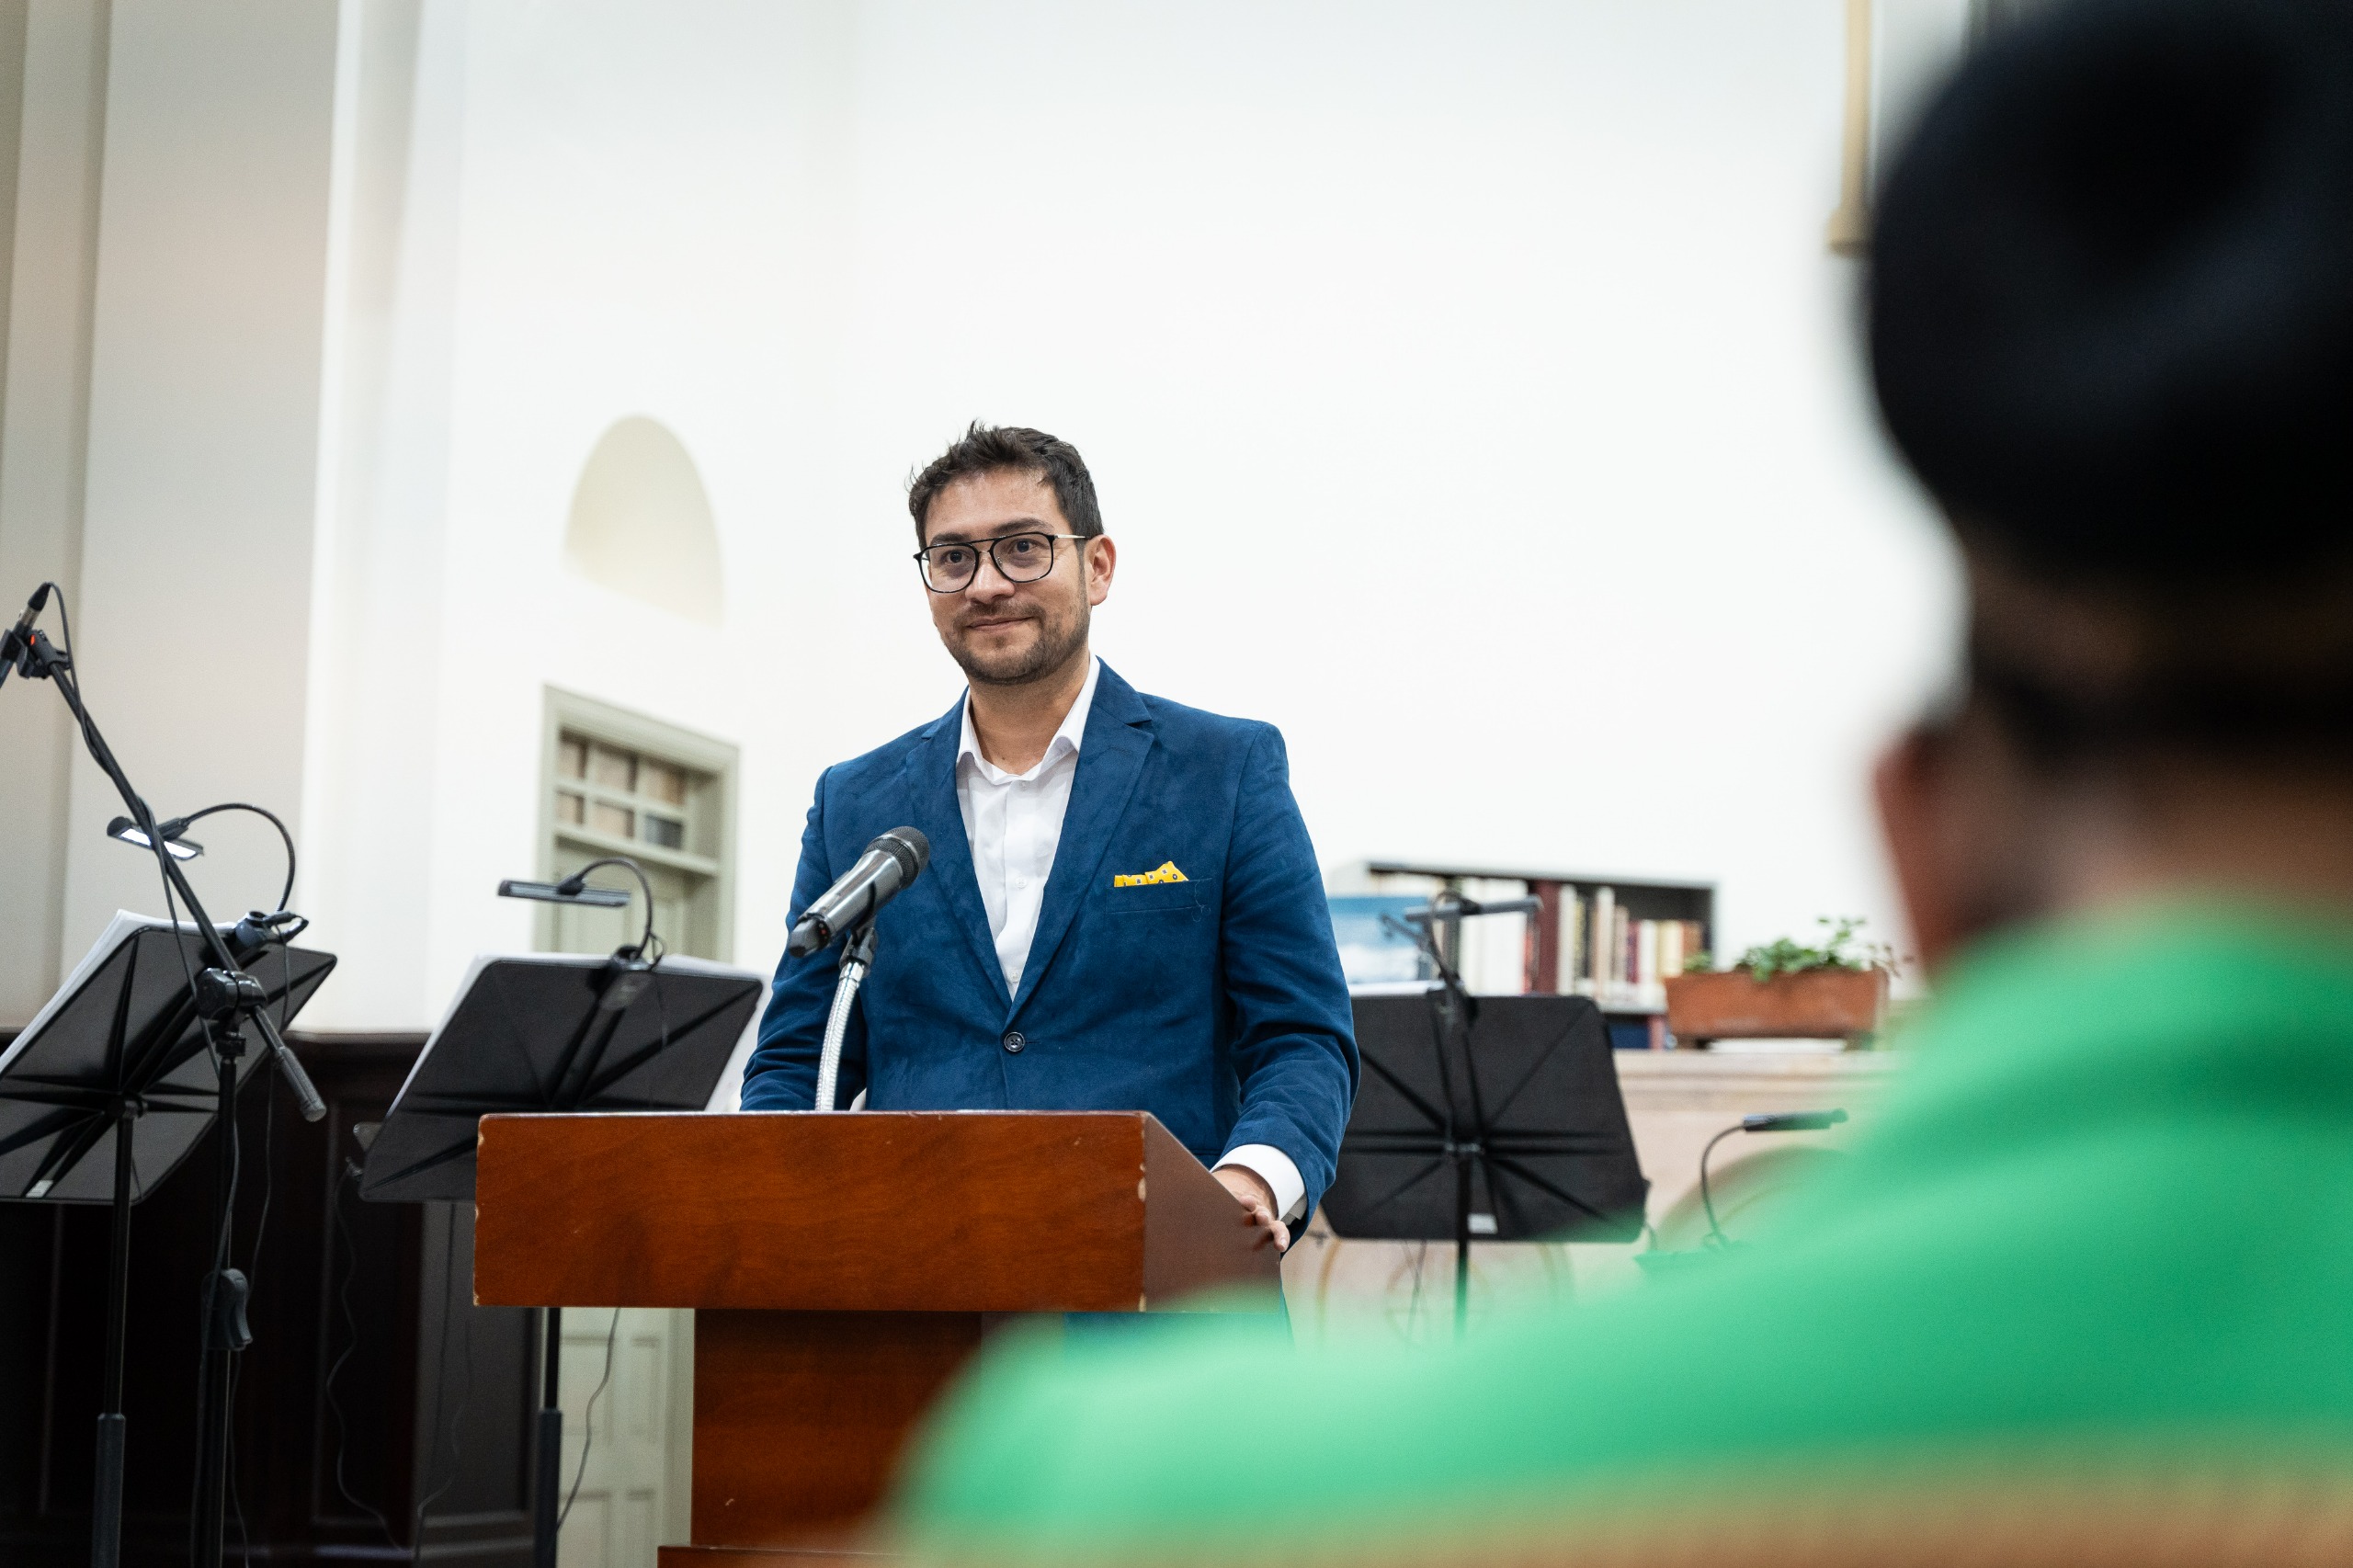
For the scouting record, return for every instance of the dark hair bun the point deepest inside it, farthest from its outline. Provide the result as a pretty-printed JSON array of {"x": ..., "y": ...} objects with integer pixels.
[{"x": 2111, "y": 311}]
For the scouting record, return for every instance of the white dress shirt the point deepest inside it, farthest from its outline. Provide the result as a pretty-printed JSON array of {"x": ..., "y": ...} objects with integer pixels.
[{"x": 1014, "y": 823}]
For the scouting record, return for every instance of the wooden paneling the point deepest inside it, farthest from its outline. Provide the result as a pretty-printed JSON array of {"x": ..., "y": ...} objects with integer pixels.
[
  {"x": 366, "y": 1290},
  {"x": 876, "y": 1211}
]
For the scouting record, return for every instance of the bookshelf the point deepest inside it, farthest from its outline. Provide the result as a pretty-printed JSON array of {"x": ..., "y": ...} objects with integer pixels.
[{"x": 1565, "y": 948}]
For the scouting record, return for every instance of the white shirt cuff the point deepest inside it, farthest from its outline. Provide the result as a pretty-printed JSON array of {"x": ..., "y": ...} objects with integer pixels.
[{"x": 1275, "y": 1168}]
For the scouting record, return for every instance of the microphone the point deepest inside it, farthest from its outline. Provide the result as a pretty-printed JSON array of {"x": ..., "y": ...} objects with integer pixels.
[
  {"x": 261, "y": 929},
  {"x": 1445, "y": 908},
  {"x": 882, "y": 872},
  {"x": 14, "y": 645},
  {"x": 1791, "y": 1120}
]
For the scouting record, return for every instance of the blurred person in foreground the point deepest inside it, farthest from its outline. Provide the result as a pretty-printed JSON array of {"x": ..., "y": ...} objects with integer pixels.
[{"x": 2099, "y": 1243}]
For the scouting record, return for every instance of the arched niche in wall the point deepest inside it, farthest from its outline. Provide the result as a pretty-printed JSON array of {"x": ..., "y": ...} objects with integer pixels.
[{"x": 641, "y": 523}]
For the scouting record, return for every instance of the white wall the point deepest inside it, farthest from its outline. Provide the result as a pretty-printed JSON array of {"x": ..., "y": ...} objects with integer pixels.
[
  {"x": 191, "y": 630},
  {"x": 1497, "y": 343},
  {"x": 44, "y": 424},
  {"x": 604, "y": 213}
]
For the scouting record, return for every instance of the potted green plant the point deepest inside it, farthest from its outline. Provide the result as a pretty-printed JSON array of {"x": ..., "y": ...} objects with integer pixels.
[{"x": 1785, "y": 989}]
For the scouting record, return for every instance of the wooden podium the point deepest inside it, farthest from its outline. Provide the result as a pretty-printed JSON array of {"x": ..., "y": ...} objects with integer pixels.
[{"x": 840, "y": 1266}]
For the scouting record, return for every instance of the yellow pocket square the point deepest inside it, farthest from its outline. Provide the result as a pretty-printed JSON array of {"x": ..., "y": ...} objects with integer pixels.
[{"x": 1168, "y": 873}]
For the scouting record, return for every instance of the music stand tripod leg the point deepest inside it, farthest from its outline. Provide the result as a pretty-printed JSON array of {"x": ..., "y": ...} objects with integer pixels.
[
  {"x": 1461, "y": 1243},
  {"x": 225, "y": 1333},
  {"x": 544, "y": 1516},
  {"x": 106, "y": 1502}
]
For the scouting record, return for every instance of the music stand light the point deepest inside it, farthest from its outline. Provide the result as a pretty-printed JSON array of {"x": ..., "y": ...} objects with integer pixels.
[{"x": 176, "y": 842}]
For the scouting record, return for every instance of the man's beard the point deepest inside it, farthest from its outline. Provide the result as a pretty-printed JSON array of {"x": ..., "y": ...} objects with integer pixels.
[{"x": 1053, "y": 648}]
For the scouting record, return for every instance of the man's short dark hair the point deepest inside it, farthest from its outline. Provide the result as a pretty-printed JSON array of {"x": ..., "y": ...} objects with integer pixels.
[{"x": 995, "y": 449}]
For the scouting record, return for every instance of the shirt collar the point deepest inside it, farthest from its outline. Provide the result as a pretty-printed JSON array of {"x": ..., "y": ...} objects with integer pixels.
[{"x": 1065, "y": 741}]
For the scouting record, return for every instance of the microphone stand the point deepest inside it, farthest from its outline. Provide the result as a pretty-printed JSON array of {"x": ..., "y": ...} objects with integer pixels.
[
  {"x": 229, "y": 1000},
  {"x": 858, "y": 957}
]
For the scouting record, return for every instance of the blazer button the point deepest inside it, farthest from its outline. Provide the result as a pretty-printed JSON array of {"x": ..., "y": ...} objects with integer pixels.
[{"x": 1014, "y": 1042}]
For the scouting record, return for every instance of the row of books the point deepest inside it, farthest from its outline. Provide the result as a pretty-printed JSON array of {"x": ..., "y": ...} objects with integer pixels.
[{"x": 1607, "y": 954}]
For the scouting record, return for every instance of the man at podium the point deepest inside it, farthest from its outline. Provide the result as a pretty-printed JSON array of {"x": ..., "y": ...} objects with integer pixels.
[{"x": 1122, "y": 910}]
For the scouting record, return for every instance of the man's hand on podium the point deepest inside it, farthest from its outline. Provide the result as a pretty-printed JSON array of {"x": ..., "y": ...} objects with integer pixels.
[{"x": 1251, "y": 1190}]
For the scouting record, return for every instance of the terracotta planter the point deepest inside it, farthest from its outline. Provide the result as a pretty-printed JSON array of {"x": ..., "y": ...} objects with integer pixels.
[{"x": 1812, "y": 1004}]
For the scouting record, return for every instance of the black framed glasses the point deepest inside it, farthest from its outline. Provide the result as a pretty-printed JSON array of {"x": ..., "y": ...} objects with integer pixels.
[{"x": 1019, "y": 557}]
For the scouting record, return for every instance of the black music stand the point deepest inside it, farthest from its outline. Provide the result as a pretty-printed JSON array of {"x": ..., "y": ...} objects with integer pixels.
[
  {"x": 555, "y": 1032},
  {"x": 1519, "y": 1103},
  {"x": 109, "y": 1089}
]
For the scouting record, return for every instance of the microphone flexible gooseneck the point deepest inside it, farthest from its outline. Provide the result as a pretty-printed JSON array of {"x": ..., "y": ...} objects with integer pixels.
[
  {"x": 855, "y": 960},
  {"x": 1761, "y": 1121}
]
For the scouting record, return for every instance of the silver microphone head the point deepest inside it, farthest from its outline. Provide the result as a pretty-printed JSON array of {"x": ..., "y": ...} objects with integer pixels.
[{"x": 909, "y": 847}]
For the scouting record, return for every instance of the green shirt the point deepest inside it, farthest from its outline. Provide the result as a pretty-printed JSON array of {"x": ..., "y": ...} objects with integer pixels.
[{"x": 2108, "y": 1201}]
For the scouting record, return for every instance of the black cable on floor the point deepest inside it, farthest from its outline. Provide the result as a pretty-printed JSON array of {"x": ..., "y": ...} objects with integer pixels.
[
  {"x": 350, "y": 1173},
  {"x": 253, "y": 1271},
  {"x": 440, "y": 1381},
  {"x": 588, "y": 1422}
]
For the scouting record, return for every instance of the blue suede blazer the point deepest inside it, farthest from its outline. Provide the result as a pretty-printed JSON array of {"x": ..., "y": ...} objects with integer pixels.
[{"x": 1216, "y": 1003}]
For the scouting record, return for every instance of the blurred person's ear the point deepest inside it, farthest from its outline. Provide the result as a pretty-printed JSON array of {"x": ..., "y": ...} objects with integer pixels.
[
  {"x": 1910, "y": 788},
  {"x": 1969, "y": 833}
]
